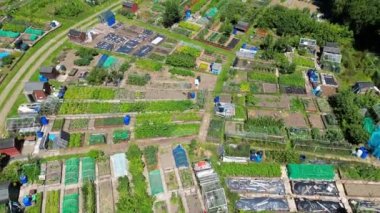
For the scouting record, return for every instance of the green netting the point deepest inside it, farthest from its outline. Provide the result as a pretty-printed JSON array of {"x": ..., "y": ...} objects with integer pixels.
[
  {"x": 109, "y": 62},
  {"x": 88, "y": 168},
  {"x": 311, "y": 171},
  {"x": 32, "y": 31},
  {"x": 155, "y": 182},
  {"x": 97, "y": 139},
  {"x": 70, "y": 203},
  {"x": 120, "y": 135},
  {"x": 212, "y": 12},
  {"x": 369, "y": 125},
  {"x": 33, "y": 37},
  {"x": 72, "y": 171},
  {"x": 9, "y": 34}
]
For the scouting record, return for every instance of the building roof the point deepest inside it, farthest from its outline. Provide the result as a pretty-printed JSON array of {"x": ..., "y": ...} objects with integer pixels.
[
  {"x": 331, "y": 47},
  {"x": 4, "y": 193},
  {"x": 217, "y": 66},
  {"x": 47, "y": 70},
  {"x": 75, "y": 33},
  {"x": 39, "y": 94},
  {"x": 7, "y": 143},
  {"x": 128, "y": 4},
  {"x": 362, "y": 85},
  {"x": 32, "y": 86},
  {"x": 242, "y": 25}
]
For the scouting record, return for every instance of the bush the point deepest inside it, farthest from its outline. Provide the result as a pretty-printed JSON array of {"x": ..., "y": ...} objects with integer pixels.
[
  {"x": 359, "y": 172},
  {"x": 124, "y": 67},
  {"x": 97, "y": 76},
  {"x": 96, "y": 154},
  {"x": 157, "y": 57},
  {"x": 82, "y": 61},
  {"x": 139, "y": 80},
  {"x": 69, "y": 9},
  {"x": 181, "y": 60},
  {"x": 183, "y": 72}
]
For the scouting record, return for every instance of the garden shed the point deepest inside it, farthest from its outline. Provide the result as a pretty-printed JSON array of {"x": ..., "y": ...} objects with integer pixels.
[
  {"x": 119, "y": 164},
  {"x": 76, "y": 35},
  {"x": 36, "y": 91},
  {"x": 49, "y": 72},
  {"x": 216, "y": 68},
  {"x": 180, "y": 157},
  {"x": 309, "y": 44},
  {"x": 10, "y": 146},
  {"x": 364, "y": 87},
  {"x": 331, "y": 57},
  {"x": 131, "y": 7},
  {"x": 4, "y": 193},
  {"x": 107, "y": 17},
  {"x": 311, "y": 171},
  {"x": 242, "y": 26}
]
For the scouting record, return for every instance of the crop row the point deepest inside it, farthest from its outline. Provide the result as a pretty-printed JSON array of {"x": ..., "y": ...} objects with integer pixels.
[
  {"x": 99, "y": 93},
  {"x": 97, "y": 108}
]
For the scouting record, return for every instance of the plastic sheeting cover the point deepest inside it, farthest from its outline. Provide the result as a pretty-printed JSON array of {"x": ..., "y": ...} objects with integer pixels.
[
  {"x": 256, "y": 186},
  {"x": 306, "y": 205},
  {"x": 315, "y": 188},
  {"x": 263, "y": 204},
  {"x": 119, "y": 164},
  {"x": 155, "y": 181}
]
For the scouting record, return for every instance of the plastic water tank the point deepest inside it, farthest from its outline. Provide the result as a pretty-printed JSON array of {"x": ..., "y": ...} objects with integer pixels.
[
  {"x": 127, "y": 119},
  {"x": 40, "y": 134},
  {"x": 217, "y": 99},
  {"x": 44, "y": 121},
  {"x": 192, "y": 95},
  {"x": 42, "y": 78},
  {"x": 27, "y": 201},
  {"x": 23, "y": 179}
]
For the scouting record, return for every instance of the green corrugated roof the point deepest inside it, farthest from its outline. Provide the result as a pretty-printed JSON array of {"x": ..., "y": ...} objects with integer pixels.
[{"x": 311, "y": 171}]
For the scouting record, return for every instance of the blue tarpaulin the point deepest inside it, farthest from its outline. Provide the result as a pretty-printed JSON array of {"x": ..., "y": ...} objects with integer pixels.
[{"x": 180, "y": 157}]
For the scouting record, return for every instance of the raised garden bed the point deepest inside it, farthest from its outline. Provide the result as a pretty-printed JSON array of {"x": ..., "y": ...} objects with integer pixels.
[
  {"x": 58, "y": 124},
  {"x": 78, "y": 124},
  {"x": 186, "y": 178}
]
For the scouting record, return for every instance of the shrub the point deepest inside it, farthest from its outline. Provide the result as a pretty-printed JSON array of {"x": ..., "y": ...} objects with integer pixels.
[
  {"x": 139, "y": 80},
  {"x": 13, "y": 27},
  {"x": 181, "y": 60},
  {"x": 157, "y": 57}
]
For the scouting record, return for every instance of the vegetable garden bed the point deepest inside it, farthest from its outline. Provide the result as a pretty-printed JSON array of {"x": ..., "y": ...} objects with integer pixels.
[
  {"x": 150, "y": 154},
  {"x": 52, "y": 202},
  {"x": 98, "y": 93},
  {"x": 120, "y": 135},
  {"x": 109, "y": 122},
  {"x": 76, "y": 140},
  {"x": 156, "y": 129},
  {"x": 149, "y": 65},
  {"x": 294, "y": 80},
  {"x": 96, "y": 108},
  {"x": 304, "y": 62},
  {"x": 186, "y": 178},
  {"x": 58, "y": 124},
  {"x": 250, "y": 170},
  {"x": 37, "y": 207},
  {"x": 89, "y": 197},
  {"x": 78, "y": 124},
  {"x": 266, "y": 77},
  {"x": 96, "y": 139},
  {"x": 215, "y": 130}
]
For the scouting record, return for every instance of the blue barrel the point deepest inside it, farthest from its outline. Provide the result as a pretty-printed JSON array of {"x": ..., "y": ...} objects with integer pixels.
[
  {"x": 44, "y": 121},
  {"x": 127, "y": 119},
  {"x": 40, "y": 134},
  {"x": 43, "y": 78},
  {"x": 217, "y": 99},
  {"x": 27, "y": 201},
  {"x": 23, "y": 179},
  {"x": 244, "y": 45},
  {"x": 234, "y": 31},
  {"x": 192, "y": 95}
]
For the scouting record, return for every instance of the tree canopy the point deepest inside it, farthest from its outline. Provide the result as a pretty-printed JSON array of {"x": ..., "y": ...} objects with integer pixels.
[{"x": 172, "y": 13}]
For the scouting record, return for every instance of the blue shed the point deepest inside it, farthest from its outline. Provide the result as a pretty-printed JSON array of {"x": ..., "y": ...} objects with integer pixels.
[
  {"x": 108, "y": 17},
  {"x": 180, "y": 157}
]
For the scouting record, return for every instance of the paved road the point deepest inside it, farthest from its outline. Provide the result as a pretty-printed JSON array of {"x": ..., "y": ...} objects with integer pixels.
[{"x": 16, "y": 85}]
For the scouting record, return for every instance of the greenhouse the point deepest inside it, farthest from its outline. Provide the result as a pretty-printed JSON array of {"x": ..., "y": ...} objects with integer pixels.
[
  {"x": 70, "y": 203},
  {"x": 155, "y": 181},
  {"x": 180, "y": 157},
  {"x": 119, "y": 164},
  {"x": 110, "y": 61},
  {"x": 88, "y": 168},
  {"x": 72, "y": 171},
  {"x": 311, "y": 171}
]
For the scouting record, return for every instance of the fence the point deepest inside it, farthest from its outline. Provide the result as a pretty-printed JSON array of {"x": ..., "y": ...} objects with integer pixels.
[{"x": 323, "y": 147}]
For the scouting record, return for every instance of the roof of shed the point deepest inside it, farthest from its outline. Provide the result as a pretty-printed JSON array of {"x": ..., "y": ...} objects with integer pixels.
[
  {"x": 31, "y": 86},
  {"x": 7, "y": 143}
]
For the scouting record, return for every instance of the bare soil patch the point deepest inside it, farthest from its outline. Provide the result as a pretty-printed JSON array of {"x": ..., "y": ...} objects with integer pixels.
[
  {"x": 316, "y": 121},
  {"x": 106, "y": 197},
  {"x": 294, "y": 120},
  {"x": 255, "y": 113},
  {"x": 166, "y": 159},
  {"x": 193, "y": 203},
  {"x": 104, "y": 168},
  {"x": 310, "y": 105},
  {"x": 270, "y": 101},
  {"x": 270, "y": 88},
  {"x": 296, "y": 4},
  {"x": 363, "y": 190}
]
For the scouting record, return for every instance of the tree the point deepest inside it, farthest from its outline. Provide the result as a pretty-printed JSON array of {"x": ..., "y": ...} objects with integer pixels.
[
  {"x": 171, "y": 13},
  {"x": 226, "y": 29}
]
